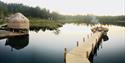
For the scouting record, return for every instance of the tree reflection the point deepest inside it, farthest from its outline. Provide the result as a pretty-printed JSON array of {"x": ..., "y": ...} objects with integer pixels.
[
  {"x": 37, "y": 29},
  {"x": 56, "y": 32},
  {"x": 17, "y": 42}
]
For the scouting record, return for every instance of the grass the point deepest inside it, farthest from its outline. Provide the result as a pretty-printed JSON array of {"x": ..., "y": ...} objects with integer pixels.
[{"x": 36, "y": 23}]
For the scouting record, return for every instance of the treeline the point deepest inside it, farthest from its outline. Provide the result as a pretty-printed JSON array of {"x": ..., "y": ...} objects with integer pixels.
[
  {"x": 112, "y": 18},
  {"x": 116, "y": 20},
  {"x": 36, "y": 12}
]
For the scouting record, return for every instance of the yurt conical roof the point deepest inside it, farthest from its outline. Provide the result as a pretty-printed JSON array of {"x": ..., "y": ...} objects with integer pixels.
[{"x": 18, "y": 21}]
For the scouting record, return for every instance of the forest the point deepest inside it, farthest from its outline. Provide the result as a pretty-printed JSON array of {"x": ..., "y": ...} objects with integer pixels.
[{"x": 45, "y": 14}]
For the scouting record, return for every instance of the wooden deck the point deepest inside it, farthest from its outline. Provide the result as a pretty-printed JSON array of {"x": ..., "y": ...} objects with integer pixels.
[
  {"x": 4, "y": 34},
  {"x": 2, "y": 26},
  {"x": 81, "y": 53}
]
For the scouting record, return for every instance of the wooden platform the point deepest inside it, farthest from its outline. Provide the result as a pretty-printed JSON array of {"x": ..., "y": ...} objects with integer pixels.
[
  {"x": 2, "y": 26},
  {"x": 4, "y": 34},
  {"x": 81, "y": 53}
]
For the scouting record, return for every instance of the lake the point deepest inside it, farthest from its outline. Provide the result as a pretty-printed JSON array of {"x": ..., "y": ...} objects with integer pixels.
[{"x": 48, "y": 46}]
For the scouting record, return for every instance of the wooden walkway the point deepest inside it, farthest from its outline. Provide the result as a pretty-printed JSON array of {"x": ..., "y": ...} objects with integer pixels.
[
  {"x": 2, "y": 26},
  {"x": 81, "y": 53},
  {"x": 4, "y": 34}
]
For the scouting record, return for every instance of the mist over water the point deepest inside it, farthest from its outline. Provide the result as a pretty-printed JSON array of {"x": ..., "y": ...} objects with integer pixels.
[{"x": 95, "y": 20}]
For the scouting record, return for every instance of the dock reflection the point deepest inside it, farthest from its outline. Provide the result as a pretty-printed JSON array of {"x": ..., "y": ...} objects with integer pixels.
[
  {"x": 103, "y": 38},
  {"x": 17, "y": 42}
]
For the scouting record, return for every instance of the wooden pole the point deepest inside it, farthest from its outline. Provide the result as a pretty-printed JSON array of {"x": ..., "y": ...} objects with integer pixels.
[
  {"x": 92, "y": 48},
  {"x": 87, "y": 54},
  {"x": 13, "y": 30},
  {"x": 91, "y": 34},
  {"x": 83, "y": 39},
  {"x": 101, "y": 44},
  {"x": 65, "y": 52},
  {"x": 88, "y": 36},
  {"x": 77, "y": 43},
  {"x": 96, "y": 39}
]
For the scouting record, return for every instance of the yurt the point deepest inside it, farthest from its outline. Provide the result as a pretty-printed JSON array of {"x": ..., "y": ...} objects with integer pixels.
[{"x": 17, "y": 22}]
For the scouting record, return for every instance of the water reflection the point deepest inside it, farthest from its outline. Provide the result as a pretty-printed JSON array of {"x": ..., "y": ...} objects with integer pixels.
[
  {"x": 44, "y": 28},
  {"x": 113, "y": 50},
  {"x": 94, "y": 53},
  {"x": 105, "y": 37},
  {"x": 47, "y": 47},
  {"x": 56, "y": 32},
  {"x": 17, "y": 42}
]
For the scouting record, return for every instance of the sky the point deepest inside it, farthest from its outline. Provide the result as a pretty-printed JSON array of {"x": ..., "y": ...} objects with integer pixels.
[{"x": 78, "y": 7}]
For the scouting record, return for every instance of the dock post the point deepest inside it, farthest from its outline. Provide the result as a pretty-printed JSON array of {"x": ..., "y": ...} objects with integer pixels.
[
  {"x": 83, "y": 39},
  {"x": 88, "y": 36},
  {"x": 96, "y": 43},
  {"x": 92, "y": 48},
  {"x": 96, "y": 40},
  {"x": 12, "y": 30},
  {"x": 87, "y": 54},
  {"x": 91, "y": 34},
  {"x": 77, "y": 43},
  {"x": 65, "y": 51},
  {"x": 101, "y": 44}
]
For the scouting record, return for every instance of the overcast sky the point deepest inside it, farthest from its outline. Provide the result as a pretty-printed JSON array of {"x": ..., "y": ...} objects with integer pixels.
[{"x": 74, "y": 7}]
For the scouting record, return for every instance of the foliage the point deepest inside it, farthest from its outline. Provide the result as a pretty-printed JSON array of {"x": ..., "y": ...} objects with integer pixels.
[
  {"x": 46, "y": 15},
  {"x": 36, "y": 12}
]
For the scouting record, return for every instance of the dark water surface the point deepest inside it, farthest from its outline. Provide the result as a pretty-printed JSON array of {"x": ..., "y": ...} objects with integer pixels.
[{"x": 48, "y": 46}]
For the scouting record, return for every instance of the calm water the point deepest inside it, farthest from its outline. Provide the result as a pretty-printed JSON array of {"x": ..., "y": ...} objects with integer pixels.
[
  {"x": 113, "y": 50},
  {"x": 48, "y": 46}
]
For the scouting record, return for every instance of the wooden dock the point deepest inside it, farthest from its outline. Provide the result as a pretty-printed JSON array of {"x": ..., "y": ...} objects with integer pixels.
[
  {"x": 4, "y": 34},
  {"x": 2, "y": 26},
  {"x": 81, "y": 53}
]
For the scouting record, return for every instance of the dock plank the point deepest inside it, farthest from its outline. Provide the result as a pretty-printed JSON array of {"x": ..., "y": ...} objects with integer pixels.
[
  {"x": 79, "y": 54},
  {"x": 4, "y": 34},
  {"x": 76, "y": 59}
]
